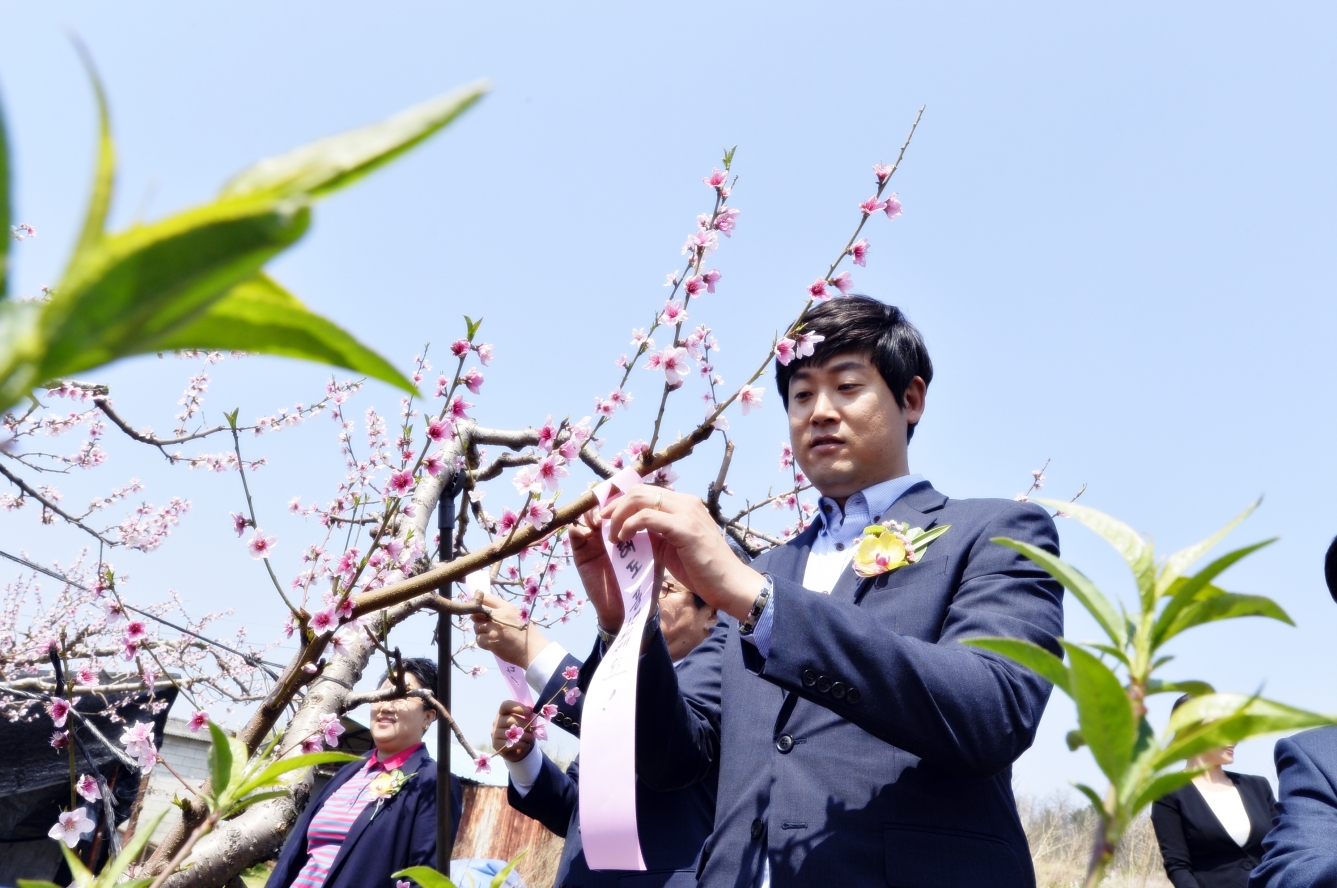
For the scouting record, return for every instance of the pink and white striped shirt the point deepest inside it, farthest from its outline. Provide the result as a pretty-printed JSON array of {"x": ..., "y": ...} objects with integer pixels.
[{"x": 330, "y": 825}]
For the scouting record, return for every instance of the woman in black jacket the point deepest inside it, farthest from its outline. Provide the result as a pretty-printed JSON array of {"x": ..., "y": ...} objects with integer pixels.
[{"x": 1211, "y": 831}]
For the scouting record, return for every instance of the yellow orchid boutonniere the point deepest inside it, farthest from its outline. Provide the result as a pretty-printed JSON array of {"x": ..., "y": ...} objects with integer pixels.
[
  {"x": 385, "y": 786},
  {"x": 887, "y": 547}
]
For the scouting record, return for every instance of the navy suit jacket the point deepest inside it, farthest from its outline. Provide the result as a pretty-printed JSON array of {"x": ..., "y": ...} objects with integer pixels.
[
  {"x": 1301, "y": 849},
  {"x": 870, "y": 747},
  {"x": 402, "y": 834},
  {"x": 673, "y": 826}
]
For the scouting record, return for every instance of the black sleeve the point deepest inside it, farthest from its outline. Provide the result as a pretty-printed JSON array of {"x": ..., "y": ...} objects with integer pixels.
[{"x": 1168, "y": 821}]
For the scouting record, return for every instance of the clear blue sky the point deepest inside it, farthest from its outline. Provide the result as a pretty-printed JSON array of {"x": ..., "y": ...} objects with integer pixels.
[{"x": 1117, "y": 242}]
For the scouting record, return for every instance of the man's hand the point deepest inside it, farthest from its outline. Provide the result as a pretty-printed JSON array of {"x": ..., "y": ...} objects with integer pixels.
[
  {"x": 688, "y": 544},
  {"x": 497, "y": 633},
  {"x": 512, "y": 716},
  {"x": 596, "y": 570}
]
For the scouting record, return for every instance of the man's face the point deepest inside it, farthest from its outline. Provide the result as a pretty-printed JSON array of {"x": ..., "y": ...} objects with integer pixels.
[
  {"x": 683, "y": 623},
  {"x": 398, "y": 724},
  {"x": 845, "y": 426}
]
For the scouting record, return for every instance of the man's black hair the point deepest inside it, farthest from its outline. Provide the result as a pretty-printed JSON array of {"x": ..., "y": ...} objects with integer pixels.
[
  {"x": 1330, "y": 569},
  {"x": 862, "y": 325},
  {"x": 420, "y": 668}
]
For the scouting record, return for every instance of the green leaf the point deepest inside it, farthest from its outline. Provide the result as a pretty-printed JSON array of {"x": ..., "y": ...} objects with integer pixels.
[
  {"x": 1075, "y": 582},
  {"x": 1180, "y": 561},
  {"x": 1226, "y": 606},
  {"x": 243, "y": 803},
  {"x": 6, "y": 219},
  {"x": 1128, "y": 542},
  {"x": 1161, "y": 787},
  {"x": 1196, "y": 688},
  {"x": 271, "y": 774},
  {"x": 1096, "y": 801},
  {"x": 240, "y": 757},
  {"x": 220, "y": 762},
  {"x": 1075, "y": 740},
  {"x": 1185, "y": 590},
  {"x": 472, "y": 326},
  {"x": 1216, "y": 720},
  {"x": 83, "y": 876},
  {"x": 921, "y": 540},
  {"x": 232, "y": 418},
  {"x": 258, "y": 315},
  {"x": 321, "y": 167},
  {"x": 1030, "y": 655},
  {"x": 34, "y": 883},
  {"x": 1112, "y": 651},
  {"x": 500, "y": 877},
  {"x": 1104, "y": 712},
  {"x": 424, "y": 876},
  {"x": 20, "y": 349},
  {"x": 99, "y": 201},
  {"x": 114, "y": 868},
  {"x": 138, "y": 286}
]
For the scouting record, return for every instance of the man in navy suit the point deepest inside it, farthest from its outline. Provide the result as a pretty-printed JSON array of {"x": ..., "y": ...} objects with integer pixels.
[
  {"x": 1301, "y": 849},
  {"x": 858, "y": 742},
  {"x": 673, "y": 825}
]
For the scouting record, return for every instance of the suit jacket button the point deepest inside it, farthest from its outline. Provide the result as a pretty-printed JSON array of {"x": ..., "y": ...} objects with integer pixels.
[
  {"x": 757, "y": 828},
  {"x": 784, "y": 743},
  {"x": 823, "y": 684},
  {"x": 853, "y": 695},
  {"x": 809, "y": 678},
  {"x": 838, "y": 690}
]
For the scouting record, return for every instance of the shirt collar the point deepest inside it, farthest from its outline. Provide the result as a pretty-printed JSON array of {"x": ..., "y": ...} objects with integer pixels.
[
  {"x": 395, "y": 761},
  {"x": 868, "y": 506}
]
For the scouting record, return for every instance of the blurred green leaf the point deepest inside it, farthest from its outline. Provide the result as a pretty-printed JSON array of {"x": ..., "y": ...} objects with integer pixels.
[
  {"x": 99, "y": 201},
  {"x": 500, "y": 877},
  {"x": 34, "y": 883},
  {"x": 1104, "y": 712},
  {"x": 1196, "y": 688},
  {"x": 220, "y": 763},
  {"x": 6, "y": 219},
  {"x": 1030, "y": 655},
  {"x": 1185, "y": 590},
  {"x": 1075, "y": 582},
  {"x": 1216, "y": 720},
  {"x": 1161, "y": 787},
  {"x": 1075, "y": 740},
  {"x": 83, "y": 876},
  {"x": 245, "y": 801},
  {"x": 271, "y": 774},
  {"x": 424, "y": 876},
  {"x": 20, "y": 348},
  {"x": 258, "y": 315},
  {"x": 321, "y": 167},
  {"x": 1182, "y": 560},
  {"x": 1096, "y": 801},
  {"x": 137, "y": 286},
  {"x": 1112, "y": 651},
  {"x": 111, "y": 872},
  {"x": 1128, "y": 542},
  {"x": 1226, "y": 606}
]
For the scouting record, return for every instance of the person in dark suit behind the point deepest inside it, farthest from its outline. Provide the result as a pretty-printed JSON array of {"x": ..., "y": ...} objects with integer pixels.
[
  {"x": 359, "y": 829},
  {"x": 1211, "y": 831},
  {"x": 673, "y": 826},
  {"x": 858, "y": 741},
  {"x": 1301, "y": 849}
]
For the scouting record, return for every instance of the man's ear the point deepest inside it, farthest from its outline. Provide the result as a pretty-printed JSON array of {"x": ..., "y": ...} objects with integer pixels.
[{"x": 914, "y": 396}]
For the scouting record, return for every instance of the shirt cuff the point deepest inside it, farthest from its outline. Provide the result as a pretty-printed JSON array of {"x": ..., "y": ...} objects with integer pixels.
[
  {"x": 545, "y": 666},
  {"x": 525, "y": 773},
  {"x": 761, "y": 633}
]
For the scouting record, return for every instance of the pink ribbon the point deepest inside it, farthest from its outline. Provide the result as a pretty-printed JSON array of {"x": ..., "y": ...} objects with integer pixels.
[{"x": 608, "y": 723}]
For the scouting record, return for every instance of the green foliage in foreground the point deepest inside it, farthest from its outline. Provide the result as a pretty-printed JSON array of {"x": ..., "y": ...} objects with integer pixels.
[
  {"x": 1109, "y": 682},
  {"x": 194, "y": 280},
  {"x": 235, "y": 783},
  {"x": 431, "y": 878}
]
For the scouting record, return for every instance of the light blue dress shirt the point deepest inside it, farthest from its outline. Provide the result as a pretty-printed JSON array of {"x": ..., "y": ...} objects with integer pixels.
[{"x": 838, "y": 531}]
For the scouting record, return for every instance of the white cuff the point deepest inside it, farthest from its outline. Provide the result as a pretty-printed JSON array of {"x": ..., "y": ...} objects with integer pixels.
[
  {"x": 544, "y": 667},
  {"x": 525, "y": 773}
]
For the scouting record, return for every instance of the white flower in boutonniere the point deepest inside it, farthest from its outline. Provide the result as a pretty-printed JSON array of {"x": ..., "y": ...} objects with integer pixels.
[
  {"x": 887, "y": 547},
  {"x": 386, "y": 786}
]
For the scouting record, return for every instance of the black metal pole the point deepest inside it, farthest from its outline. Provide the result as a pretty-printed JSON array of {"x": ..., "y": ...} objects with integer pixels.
[{"x": 445, "y": 522}]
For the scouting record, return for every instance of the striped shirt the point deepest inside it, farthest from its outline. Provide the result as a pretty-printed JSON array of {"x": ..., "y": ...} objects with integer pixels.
[{"x": 330, "y": 825}]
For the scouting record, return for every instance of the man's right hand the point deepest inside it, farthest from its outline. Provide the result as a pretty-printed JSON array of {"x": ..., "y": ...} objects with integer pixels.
[
  {"x": 596, "y": 570},
  {"x": 497, "y": 633},
  {"x": 512, "y": 714}
]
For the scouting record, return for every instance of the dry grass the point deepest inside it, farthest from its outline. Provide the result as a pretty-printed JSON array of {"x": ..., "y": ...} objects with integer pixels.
[{"x": 1060, "y": 831}]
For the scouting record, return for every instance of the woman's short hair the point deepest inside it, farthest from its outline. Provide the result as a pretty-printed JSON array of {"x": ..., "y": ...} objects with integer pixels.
[
  {"x": 420, "y": 668},
  {"x": 859, "y": 324}
]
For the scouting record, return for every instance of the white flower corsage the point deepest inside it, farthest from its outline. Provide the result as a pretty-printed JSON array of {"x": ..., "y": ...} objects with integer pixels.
[{"x": 887, "y": 547}]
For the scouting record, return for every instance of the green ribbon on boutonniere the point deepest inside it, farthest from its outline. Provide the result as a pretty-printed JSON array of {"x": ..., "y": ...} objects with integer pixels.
[
  {"x": 385, "y": 786},
  {"x": 890, "y": 546}
]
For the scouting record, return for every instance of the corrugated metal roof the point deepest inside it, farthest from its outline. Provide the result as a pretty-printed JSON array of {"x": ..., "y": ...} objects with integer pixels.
[{"x": 490, "y": 827}]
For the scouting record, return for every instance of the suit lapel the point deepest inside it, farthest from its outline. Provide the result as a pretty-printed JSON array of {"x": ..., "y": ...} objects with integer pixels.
[
  {"x": 410, "y": 766},
  {"x": 791, "y": 560},
  {"x": 915, "y": 507}
]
